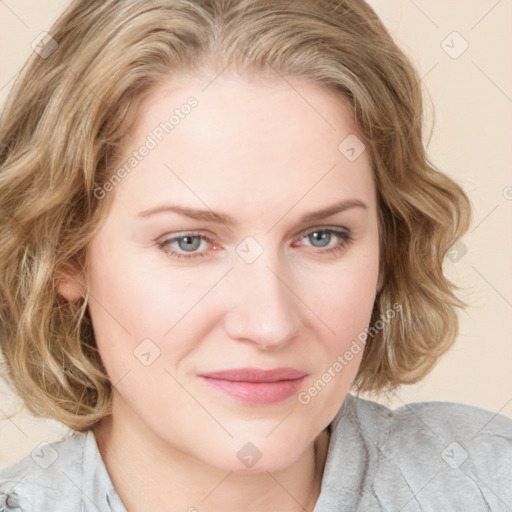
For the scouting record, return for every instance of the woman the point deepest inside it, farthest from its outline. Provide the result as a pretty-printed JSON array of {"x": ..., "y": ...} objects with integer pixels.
[{"x": 219, "y": 218}]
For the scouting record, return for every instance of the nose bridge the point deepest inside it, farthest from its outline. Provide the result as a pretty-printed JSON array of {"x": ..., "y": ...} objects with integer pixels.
[{"x": 264, "y": 309}]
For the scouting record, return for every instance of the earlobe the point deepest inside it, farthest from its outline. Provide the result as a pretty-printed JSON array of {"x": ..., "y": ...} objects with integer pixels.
[
  {"x": 380, "y": 283},
  {"x": 70, "y": 286}
]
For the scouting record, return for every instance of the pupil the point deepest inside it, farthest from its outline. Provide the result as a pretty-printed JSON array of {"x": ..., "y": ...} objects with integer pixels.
[
  {"x": 322, "y": 237},
  {"x": 188, "y": 242}
]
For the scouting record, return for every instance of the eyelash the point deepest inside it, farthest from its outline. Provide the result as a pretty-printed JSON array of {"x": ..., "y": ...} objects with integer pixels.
[{"x": 344, "y": 235}]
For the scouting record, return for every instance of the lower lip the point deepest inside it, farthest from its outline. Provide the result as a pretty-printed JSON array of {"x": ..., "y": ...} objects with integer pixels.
[{"x": 257, "y": 392}]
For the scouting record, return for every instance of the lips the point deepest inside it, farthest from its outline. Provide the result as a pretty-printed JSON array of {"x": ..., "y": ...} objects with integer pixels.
[
  {"x": 256, "y": 386},
  {"x": 256, "y": 375}
]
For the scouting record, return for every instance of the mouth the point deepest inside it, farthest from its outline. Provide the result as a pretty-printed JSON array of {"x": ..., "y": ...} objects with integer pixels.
[{"x": 256, "y": 386}]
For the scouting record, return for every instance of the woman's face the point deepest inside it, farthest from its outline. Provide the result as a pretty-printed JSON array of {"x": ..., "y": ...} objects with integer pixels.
[{"x": 216, "y": 257}]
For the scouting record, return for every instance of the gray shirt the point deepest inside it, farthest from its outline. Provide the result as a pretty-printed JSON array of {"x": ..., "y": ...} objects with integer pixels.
[{"x": 425, "y": 456}]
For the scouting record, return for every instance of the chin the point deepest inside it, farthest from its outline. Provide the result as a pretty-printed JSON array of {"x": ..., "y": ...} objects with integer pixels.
[{"x": 255, "y": 453}]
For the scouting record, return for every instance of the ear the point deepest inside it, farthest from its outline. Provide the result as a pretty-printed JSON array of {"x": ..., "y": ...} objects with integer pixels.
[
  {"x": 70, "y": 284},
  {"x": 380, "y": 282}
]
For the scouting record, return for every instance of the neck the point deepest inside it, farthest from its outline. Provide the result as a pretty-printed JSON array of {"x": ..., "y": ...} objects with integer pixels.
[{"x": 148, "y": 474}]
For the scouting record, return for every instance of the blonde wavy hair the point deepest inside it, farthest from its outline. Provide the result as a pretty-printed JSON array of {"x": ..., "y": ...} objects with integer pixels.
[{"x": 65, "y": 120}]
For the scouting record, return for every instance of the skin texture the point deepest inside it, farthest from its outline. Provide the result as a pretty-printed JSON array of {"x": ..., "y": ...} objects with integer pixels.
[{"x": 265, "y": 153}]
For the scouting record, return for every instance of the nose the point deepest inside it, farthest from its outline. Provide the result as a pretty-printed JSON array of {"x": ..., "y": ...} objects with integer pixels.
[{"x": 263, "y": 308}]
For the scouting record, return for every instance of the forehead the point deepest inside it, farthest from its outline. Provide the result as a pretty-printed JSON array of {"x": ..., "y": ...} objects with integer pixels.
[{"x": 270, "y": 140}]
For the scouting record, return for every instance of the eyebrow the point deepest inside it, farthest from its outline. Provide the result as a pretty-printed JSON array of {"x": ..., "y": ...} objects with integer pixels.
[{"x": 223, "y": 218}]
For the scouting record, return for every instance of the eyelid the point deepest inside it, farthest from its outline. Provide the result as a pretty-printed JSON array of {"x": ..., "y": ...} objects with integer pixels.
[
  {"x": 314, "y": 229},
  {"x": 209, "y": 237},
  {"x": 344, "y": 235}
]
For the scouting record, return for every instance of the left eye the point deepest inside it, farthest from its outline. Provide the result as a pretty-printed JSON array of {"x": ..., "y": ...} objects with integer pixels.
[
  {"x": 191, "y": 242},
  {"x": 188, "y": 242},
  {"x": 325, "y": 236}
]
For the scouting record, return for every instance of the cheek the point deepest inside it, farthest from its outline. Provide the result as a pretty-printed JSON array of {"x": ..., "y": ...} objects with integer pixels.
[
  {"x": 345, "y": 309},
  {"x": 137, "y": 310},
  {"x": 352, "y": 302},
  {"x": 344, "y": 296}
]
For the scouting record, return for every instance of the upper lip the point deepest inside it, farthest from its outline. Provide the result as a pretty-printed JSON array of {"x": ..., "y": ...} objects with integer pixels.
[{"x": 256, "y": 375}]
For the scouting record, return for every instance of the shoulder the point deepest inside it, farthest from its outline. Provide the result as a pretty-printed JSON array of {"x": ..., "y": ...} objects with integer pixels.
[
  {"x": 48, "y": 478},
  {"x": 441, "y": 420},
  {"x": 422, "y": 451},
  {"x": 454, "y": 432}
]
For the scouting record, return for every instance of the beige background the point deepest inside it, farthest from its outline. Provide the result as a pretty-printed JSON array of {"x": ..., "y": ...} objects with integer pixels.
[{"x": 471, "y": 142}]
